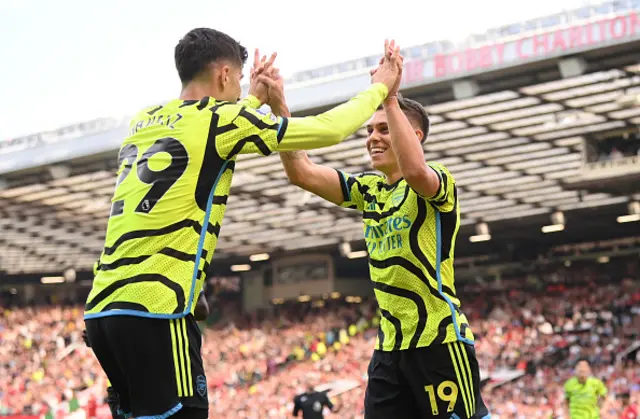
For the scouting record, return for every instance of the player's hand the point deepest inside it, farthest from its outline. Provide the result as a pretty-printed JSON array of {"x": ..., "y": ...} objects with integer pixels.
[
  {"x": 201, "y": 312},
  {"x": 260, "y": 65},
  {"x": 389, "y": 72},
  {"x": 275, "y": 82}
]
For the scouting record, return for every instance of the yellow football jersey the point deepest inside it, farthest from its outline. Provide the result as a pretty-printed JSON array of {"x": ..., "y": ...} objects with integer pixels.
[
  {"x": 175, "y": 172},
  {"x": 411, "y": 241}
]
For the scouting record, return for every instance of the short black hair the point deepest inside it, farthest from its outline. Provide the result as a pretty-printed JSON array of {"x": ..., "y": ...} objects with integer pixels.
[
  {"x": 203, "y": 46},
  {"x": 415, "y": 112}
]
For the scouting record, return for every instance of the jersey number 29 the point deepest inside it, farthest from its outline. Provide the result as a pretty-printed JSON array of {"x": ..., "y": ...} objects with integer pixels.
[{"x": 160, "y": 180}]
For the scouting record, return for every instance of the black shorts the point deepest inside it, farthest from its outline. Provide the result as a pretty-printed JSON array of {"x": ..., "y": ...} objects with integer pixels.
[
  {"x": 440, "y": 381},
  {"x": 154, "y": 365}
]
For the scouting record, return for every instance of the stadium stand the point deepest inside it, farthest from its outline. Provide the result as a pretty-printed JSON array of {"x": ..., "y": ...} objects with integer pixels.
[{"x": 256, "y": 364}]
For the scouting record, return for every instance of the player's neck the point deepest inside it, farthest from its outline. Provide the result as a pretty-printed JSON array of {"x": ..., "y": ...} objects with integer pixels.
[
  {"x": 196, "y": 91},
  {"x": 393, "y": 176}
]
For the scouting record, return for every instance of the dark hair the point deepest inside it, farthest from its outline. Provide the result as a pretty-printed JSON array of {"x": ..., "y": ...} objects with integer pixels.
[
  {"x": 203, "y": 46},
  {"x": 415, "y": 112}
]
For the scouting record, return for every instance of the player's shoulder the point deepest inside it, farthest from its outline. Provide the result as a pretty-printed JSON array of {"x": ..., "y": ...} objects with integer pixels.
[
  {"x": 570, "y": 382},
  {"x": 440, "y": 168},
  {"x": 248, "y": 111}
]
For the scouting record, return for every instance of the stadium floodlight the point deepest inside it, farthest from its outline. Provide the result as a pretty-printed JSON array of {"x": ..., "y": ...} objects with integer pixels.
[
  {"x": 345, "y": 249},
  {"x": 358, "y": 254},
  {"x": 482, "y": 233},
  {"x": 59, "y": 171},
  {"x": 52, "y": 279},
  {"x": 634, "y": 213},
  {"x": 240, "y": 268},
  {"x": 552, "y": 228},
  {"x": 557, "y": 219},
  {"x": 70, "y": 275},
  {"x": 572, "y": 67},
  {"x": 629, "y": 218},
  {"x": 465, "y": 89},
  {"x": 259, "y": 257}
]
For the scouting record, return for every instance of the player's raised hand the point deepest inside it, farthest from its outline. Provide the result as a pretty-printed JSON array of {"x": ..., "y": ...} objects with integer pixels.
[
  {"x": 276, "y": 101},
  {"x": 260, "y": 65},
  {"x": 389, "y": 72}
]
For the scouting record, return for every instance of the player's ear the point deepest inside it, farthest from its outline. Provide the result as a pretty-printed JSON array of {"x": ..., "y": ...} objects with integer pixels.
[
  {"x": 216, "y": 75},
  {"x": 225, "y": 74},
  {"x": 419, "y": 134}
]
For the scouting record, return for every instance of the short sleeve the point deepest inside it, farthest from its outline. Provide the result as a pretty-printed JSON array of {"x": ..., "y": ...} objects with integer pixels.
[
  {"x": 296, "y": 406},
  {"x": 241, "y": 129},
  {"x": 355, "y": 189},
  {"x": 328, "y": 402},
  {"x": 446, "y": 196},
  {"x": 602, "y": 389},
  {"x": 567, "y": 393}
]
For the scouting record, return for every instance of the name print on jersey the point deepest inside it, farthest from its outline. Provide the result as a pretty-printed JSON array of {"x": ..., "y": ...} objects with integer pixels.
[{"x": 169, "y": 121}]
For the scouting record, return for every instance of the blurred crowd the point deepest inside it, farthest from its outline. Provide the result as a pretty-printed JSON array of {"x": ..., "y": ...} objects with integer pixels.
[{"x": 256, "y": 364}]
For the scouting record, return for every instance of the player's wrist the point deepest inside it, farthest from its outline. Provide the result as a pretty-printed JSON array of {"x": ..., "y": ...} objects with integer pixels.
[
  {"x": 391, "y": 101},
  {"x": 281, "y": 109}
]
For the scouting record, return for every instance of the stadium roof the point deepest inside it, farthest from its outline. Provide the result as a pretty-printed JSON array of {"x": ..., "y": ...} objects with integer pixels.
[{"x": 512, "y": 149}]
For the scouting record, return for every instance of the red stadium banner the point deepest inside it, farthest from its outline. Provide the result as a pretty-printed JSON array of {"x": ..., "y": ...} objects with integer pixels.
[
  {"x": 559, "y": 41},
  {"x": 566, "y": 40}
]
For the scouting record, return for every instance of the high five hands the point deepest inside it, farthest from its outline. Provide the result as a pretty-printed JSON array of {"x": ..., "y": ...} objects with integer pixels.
[
  {"x": 260, "y": 71},
  {"x": 268, "y": 86},
  {"x": 389, "y": 70}
]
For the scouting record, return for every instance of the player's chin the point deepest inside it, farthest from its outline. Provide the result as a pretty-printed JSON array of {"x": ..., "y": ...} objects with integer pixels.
[{"x": 378, "y": 161}]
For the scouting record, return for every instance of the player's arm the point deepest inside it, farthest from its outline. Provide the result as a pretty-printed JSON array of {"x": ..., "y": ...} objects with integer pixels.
[
  {"x": 409, "y": 153},
  {"x": 567, "y": 399},
  {"x": 602, "y": 393},
  {"x": 319, "y": 180},
  {"x": 334, "y": 407},
  {"x": 335, "y": 186},
  {"x": 301, "y": 171},
  {"x": 296, "y": 406},
  {"x": 333, "y": 126},
  {"x": 244, "y": 130},
  {"x": 431, "y": 181},
  {"x": 322, "y": 181}
]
